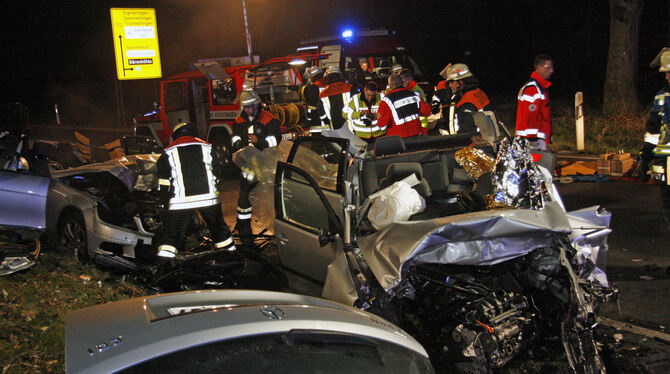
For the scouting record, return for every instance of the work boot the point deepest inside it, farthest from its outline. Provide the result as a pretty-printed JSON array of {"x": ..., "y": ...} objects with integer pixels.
[{"x": 243, "y": 228}]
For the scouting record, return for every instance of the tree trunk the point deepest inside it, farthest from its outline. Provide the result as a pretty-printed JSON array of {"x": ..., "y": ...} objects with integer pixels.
[{"x": 620, "y": 82}]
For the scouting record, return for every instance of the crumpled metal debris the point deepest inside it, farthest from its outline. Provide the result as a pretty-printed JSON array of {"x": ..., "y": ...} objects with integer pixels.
[
  {"x": 474, "y": 161},
  {"x": 517, "y": 181}
]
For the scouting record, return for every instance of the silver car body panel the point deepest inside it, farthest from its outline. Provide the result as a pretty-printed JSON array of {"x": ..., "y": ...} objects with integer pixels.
[
  {"x": 109, "y": 337},
  {"x": 62, "y": 197},
  {"x": 23, "y": 199}
]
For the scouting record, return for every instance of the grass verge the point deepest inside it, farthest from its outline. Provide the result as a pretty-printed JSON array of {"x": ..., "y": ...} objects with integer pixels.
[{"x": 33, "y": 305}]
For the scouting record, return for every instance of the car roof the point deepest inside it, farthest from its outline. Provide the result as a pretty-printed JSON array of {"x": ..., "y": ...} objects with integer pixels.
[{"x": 113, "y": 336}]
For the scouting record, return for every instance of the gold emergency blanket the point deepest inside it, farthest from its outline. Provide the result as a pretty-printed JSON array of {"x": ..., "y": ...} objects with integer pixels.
[{"x": 474, "y": 161}]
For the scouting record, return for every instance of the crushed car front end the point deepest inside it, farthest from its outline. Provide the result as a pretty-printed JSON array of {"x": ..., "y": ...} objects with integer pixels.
[
  {"x": 476, "y": 285},
  {"x": 113, "y": 202}
]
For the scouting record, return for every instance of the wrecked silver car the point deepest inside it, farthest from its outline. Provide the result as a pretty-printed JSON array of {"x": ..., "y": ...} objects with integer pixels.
[
  {"x": 105, "y": 212},
  {"x": 478, "y": 266},
  {"x": 109, "y": 213}
]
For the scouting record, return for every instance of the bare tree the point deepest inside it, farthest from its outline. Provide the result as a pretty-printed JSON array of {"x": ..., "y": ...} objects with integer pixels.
[{"x": 620, "y": 84}]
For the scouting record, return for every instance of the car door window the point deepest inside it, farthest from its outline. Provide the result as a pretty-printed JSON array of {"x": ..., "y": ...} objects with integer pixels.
[
  {"x": 323, "y": 159},
  {"x": 301, "y": 204}
]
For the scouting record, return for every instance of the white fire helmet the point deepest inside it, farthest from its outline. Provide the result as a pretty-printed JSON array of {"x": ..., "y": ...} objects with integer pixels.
[
  {"x": 455, "y": 72},
  {"x": 248, "y": 97},
  {"x": 665, "y": 61},
  {"x": 312, "y": 71},
  {"x": 332, "y": 69}
]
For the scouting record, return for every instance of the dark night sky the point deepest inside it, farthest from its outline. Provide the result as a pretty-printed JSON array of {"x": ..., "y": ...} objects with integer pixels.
[{"x": 62, "y": 52}]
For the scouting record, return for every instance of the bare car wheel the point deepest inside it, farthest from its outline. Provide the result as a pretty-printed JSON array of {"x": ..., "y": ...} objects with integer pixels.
[{"x": 72, "y": 236}]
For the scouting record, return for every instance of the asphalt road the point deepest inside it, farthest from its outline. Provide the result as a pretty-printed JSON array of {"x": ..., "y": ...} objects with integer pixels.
[{"x": 639, "y": 247}]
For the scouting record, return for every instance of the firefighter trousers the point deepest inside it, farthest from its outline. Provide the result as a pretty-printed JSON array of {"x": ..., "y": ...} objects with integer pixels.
[
  {"x": 244, "y": 204},
  {"x": 179, "y": 221}
]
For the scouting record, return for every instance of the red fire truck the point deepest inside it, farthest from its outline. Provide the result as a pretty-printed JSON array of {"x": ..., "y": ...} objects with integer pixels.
[{"x": 206, "y": 97}]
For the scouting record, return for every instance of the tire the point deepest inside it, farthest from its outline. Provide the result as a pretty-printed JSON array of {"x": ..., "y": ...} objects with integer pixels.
[{"x": 72, "y": 236}]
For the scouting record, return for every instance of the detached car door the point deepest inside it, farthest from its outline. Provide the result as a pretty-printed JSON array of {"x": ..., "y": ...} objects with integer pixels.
[
  {"x": 23, "y": 197},
  {"x": 309, "y": 193}
]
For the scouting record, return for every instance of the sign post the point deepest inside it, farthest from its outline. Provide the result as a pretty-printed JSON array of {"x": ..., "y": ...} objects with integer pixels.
[
  {"x": 135, "y": 43},
  {"x": 579, "y": 120}
]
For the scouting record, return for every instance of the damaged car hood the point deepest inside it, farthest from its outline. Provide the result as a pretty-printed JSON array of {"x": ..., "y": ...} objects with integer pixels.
[
  {"x": 479, "y": 238},
  {"x": 133, "y": 170}
]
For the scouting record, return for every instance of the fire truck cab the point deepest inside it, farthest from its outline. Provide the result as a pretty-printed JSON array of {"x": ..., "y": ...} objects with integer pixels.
[{"x": 379, "y": 48}]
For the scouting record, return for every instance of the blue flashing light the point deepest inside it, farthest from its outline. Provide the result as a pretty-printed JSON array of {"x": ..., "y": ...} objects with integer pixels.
[{"x": 347, "y": 34}]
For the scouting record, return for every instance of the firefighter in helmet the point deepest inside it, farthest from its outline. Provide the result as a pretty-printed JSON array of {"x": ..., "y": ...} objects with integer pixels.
[
  {"x": 335, "y": 96},
  {"x": 659, "y": 118},
  {"x": 316, "y": 82},
  {"x": 466, "y": 98},
  {"x": 658, "y": 131},
  {"x": 256, "y": 127},
  {"x": 188, "y": 171}
]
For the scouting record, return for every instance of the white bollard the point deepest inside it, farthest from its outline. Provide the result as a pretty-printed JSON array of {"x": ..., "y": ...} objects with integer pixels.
[
  {"x": 57, "y": 114},
  {"x": 579, "y": 120}
]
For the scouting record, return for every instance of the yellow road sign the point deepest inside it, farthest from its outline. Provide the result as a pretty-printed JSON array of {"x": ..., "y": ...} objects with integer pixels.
[{"x": 135, "y": 43}]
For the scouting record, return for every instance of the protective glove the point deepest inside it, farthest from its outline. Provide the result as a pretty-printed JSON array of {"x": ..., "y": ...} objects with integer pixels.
[
  {"x": 164, "y": 193},
  {"x": 367, "y": 120}
]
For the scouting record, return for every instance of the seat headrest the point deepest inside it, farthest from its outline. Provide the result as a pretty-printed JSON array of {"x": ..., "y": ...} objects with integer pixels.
[
  {"x": 400, "y": 170},
  {"x": 389, "y": 145}
]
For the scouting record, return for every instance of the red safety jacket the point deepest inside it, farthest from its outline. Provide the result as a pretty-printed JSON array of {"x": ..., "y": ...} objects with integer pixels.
[
  {"x": 533, "y": 114},
  {"x": 399, "y": 112},
  {"x": 476, "y": 97}
]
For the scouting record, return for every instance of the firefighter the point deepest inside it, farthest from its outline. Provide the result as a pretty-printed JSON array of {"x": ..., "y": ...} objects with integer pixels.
[
  {"x": 533, "y": 114},
  {"x": 658, "y": 117},
  {"x": 316, "y": 116},
  {"x": 257, "y": 127},
  {"x": 466, "y": 98},
  {"x": 188, "y": 174},
  {"x": 444, "y": 94},
  {"x": 335, "y": 96},
  {"x": 659, "y": 123},
  {"x": 361, "y": 112},
  {"x": 399, "y": 111}
]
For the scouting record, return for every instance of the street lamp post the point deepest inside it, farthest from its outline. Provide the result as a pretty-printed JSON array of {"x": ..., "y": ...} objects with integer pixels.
[{"x": 246, "y": 28}]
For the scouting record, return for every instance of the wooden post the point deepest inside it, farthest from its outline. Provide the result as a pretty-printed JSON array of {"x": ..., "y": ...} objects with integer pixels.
[{"x": 579, "y": 120}]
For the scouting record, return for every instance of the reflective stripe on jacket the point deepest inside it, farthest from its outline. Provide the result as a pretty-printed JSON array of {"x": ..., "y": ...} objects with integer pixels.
[
  {"x": 334, "y": 97},
  {"x": 190, "y": 166},
  {"x": 533, "y": 115},
  {"x": 399, "y": 112},
  {"x": 358, "y": 107},
  {"x": 265, "y": 127}
]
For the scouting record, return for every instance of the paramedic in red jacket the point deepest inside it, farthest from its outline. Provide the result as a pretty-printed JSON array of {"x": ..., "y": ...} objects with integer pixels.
[
  {"x": 533, "y": 115},
  {"x": 399, "y": 111}
]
